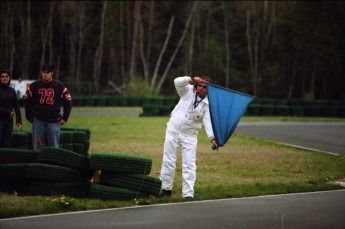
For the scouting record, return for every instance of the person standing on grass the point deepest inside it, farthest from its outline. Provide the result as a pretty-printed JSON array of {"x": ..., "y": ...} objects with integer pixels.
[
  {"x": 43, "y": 100},
  {"x": 186, "y": 119},
  {"x": 9, "y": 107},
  {"x": 20, "y": 88}
]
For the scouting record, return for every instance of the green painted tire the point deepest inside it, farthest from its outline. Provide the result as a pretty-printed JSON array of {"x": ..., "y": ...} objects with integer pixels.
[
  {"x": 12, "y": 155},
  {"x": 112, "y": 193},
  {"x": 64, "y": 157},
  {"x": 73, "y": 189},
  {"x": 137, "y": 182},
  {"x": 13, "y": 171},
  {"x": 20, "y": 139},
  {"x": 52, "y": 172},
  {"x": 122, "y": 163}
]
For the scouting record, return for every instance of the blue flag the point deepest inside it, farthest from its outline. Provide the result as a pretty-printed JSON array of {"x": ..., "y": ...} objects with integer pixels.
[{"x": 226, "y": 109}]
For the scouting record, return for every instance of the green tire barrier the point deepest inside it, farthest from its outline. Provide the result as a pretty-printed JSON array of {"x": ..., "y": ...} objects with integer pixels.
[
  {"x": 79, "y": 136},
  {"x": 112, "y": 193},
  {"x": 74, "y": 129},
  {"x": 123, "y": 163},
  {"x": 67, "y": 146},
  {"x": 121, "y": 100},
  {"x": 146, "y": 100},
  {"x": 171, "y": 100},
  {"x": 73, "y": 189},
  {"x": 77, "y": 101},
  {"x": 87, "y": 146},
  {"x": 42, "y": 171},
  {"x": 63, "y": 157},
  {"x": 66, "y": 137},
  {"x": 253, "y": 110},
  {"x": 267, "y": 101},
  {"x": 100, "y": 101},
  {"x": 282, "y": 102},
  {"x": 20, "y": 139},
  {"x": 134, "y": 101},
  {"x": 18, "y": 187},
  {"x": 137, "y": 182},
  {"x": 13, "y": 171},
  {"x": 89, "y": 101},
  {"x": 296, "y": 110},
  {"x": 158, "y": 100},
  {"x": 79, "y": 148},
  {"x": 12, "y": 155},
  {"x": 312, "y": 110},
  {"x": 282, "y": 110},
  {"x": 150, "y": 110},
  {"x": 156, "y": 110},
  {"x": 267, "y": 110},
  {"x": 165, "y": 110},
  {"x": 110, "y": 101},
  {"x": 329, "y": 111}
]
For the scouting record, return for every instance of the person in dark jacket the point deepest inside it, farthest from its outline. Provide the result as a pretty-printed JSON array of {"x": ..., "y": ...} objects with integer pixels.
[
  {"x": 9, "y": 107},
  {"x": 42, "y": 102}
]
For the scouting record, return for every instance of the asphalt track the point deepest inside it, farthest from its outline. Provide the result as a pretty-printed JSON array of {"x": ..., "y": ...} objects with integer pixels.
[
  {"x": 328, "y": 137},
  {"x": 316, "y": 210}
]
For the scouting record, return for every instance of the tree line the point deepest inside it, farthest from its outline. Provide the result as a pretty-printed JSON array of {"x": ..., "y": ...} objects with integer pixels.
[{"x": 269, "y": 49}]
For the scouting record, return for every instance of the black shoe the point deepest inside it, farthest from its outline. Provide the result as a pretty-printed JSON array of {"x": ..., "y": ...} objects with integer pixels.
[
  {"x": 164, "y": 193},
  {"x": 188, "y": 198}
]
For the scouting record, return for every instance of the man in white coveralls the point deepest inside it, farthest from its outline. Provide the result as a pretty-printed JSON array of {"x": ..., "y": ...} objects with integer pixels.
[{"x": 186, "y": 119}]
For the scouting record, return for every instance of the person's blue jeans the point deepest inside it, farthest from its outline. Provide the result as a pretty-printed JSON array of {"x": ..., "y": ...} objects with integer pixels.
[
  {"x": 45, "y": 134},
  {"x": 6, "y": 128}
]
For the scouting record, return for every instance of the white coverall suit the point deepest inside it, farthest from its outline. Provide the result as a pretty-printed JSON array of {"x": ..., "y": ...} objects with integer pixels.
[{"x": 182, "y": 130}]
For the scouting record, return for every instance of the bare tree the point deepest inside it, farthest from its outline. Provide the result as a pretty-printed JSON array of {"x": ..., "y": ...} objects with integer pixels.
[
  {"x": 99, "y": 52},
  {"x": 8, "y": 47},
  {"x": 145, "y": 53},
  {"x": 227, "y": 46},
  {"x": 189, "y": 62},
  {"x": 123, "y": 44},
  {"x": 45, "y": 34},
  {"x": 260, "y": 20},
  {"x": 137, "y": 6},
  {"x": 155, "y": 73},
  {"x": 180, "y": 42},
  {"x": 23, "y": 14}
]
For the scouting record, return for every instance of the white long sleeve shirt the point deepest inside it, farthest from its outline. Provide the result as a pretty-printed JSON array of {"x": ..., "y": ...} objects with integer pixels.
[{"x": 185, "y": 119}]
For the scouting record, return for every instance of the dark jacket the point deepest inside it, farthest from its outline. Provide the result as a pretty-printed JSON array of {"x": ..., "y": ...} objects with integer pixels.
[
  {"x": 44, "y": 100},
  {"x": 8, "y": 103}
]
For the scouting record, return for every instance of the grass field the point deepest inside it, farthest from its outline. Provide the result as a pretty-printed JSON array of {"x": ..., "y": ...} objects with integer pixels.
[{"x": 244, "y": 167}]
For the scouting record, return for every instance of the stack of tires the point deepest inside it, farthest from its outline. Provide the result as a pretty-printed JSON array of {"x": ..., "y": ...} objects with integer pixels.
[
  {"x": 60, "y": 172},
  {"x": 50, "y": 171},
  {"x": 13, "y": 165},
  {"x": 123, "y": 176},
  {"x": 75, "y": 139},
  {"x": 69, "y": 170},
  {"x": 21, "y": 139}
]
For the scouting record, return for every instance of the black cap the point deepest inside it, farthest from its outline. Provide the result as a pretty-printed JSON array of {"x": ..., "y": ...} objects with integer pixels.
[{"x": 47, "y": 68}]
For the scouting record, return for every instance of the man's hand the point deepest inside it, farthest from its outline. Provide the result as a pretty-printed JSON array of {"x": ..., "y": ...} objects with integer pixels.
[
  {"x": 62, "y": 122},
  {"x": 197, "y": 79},
  {"x": 215, "y": 145}
]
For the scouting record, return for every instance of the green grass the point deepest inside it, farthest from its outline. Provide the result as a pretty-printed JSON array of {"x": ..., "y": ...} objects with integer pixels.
[{"x": 244, "y": 167}]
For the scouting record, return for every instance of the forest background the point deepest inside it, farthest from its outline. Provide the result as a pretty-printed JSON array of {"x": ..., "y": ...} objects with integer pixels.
[{"x": 269, "y": 49}]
